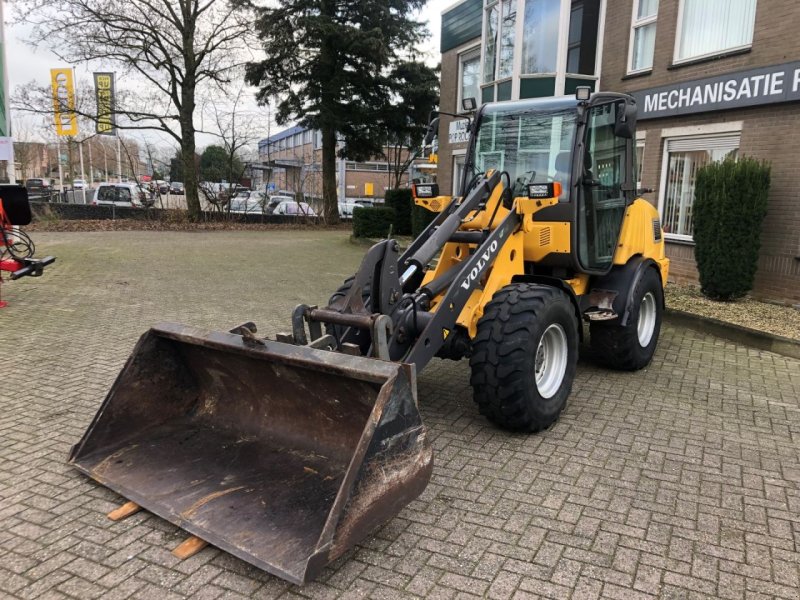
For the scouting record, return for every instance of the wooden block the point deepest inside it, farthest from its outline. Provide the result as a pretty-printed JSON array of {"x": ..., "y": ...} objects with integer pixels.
[
  {"x": 124, "y": 511},
  {"x": 189, "y": 547}
]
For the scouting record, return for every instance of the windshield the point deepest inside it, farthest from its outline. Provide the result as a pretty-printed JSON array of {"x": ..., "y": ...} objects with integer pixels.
[{"x": 533, "y": 146}]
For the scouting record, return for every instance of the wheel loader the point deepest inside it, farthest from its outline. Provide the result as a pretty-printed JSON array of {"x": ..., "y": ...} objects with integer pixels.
[{"x": 286, "y": 452}]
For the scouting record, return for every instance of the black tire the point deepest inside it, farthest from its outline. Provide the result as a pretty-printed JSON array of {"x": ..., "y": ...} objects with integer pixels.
[
  {"x": 620, "y": 347},
  {"x": 362, "y": 338},
  {"x": 504, "y": 356}
]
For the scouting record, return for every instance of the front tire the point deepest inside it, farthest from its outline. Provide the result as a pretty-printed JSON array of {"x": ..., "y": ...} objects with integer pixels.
[
  {"x": 524, "y": 357},
  {"x": 631, "y": 347}
]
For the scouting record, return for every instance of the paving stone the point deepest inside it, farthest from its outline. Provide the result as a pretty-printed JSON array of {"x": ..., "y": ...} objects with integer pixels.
[{"x": 678, "y": 481}]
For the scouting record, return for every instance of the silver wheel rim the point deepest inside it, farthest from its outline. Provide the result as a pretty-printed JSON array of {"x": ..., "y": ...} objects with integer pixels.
[
  {"x": 551, "y": 360},
  {"x": 647, "y": 319}
]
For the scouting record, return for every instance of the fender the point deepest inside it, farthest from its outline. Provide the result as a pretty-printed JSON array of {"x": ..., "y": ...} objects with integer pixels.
[
  {"x": 556, "y": 283},
  {"x": 623, "y": 279}
]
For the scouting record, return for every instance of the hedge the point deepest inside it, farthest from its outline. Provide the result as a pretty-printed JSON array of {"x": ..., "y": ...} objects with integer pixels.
[
  {"x": 420, "y": 218},
  {"x": 373, "y": 222},
  {"x": 729, "y": 207},
  {"x": 402, "y": 202}
]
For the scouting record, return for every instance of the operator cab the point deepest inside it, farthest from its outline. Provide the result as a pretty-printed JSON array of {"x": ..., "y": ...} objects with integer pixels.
[{"x": 585, "y": 143}]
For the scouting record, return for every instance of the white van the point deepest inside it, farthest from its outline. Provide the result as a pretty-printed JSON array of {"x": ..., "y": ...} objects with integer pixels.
[{"x": 125, "y": 195}]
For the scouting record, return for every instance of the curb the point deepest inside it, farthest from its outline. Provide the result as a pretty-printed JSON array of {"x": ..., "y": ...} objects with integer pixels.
[{"x": 735, "y": 333}]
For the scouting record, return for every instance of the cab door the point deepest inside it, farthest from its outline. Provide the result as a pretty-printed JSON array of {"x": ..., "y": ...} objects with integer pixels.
[{"x": 605, "y": 187}]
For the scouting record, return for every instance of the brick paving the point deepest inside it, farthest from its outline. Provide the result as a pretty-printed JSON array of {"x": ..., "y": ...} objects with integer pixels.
[{"x": 680, "y": 481}]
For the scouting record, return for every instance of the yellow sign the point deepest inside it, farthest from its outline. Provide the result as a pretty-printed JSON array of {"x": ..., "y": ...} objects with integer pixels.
[
  {"x": 369, "y": 189},
  {"x": 104, "y": 94},
  {"x": 64, "y": 102}
]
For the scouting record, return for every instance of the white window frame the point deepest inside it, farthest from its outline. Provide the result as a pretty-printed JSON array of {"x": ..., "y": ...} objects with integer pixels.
[
  {"x": 676, "y": 60},
  {"x": 454, "y": 182},
  {"x": 641, "y": 142},
  {"x": 673, "y": 133},
  {"x": 469, "y": 54},
  {"x": 636, "y": 24},
  {"x": 560, "y": 73}
]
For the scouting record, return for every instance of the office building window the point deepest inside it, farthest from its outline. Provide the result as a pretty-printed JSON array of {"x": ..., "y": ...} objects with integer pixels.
[
  {"x": 707, "y": 27},
  {"x": 582, "y": 42},
  {"x": 682, "y": 158},
  {"x": 508, "y": 27},
  {"x": 643, "y": 35},
  {"x": 540, "y": 43},
  {"x": 469, "y": 76},
  {"x": 639, "y": 161},
  {"x": 490, "y": 41}
]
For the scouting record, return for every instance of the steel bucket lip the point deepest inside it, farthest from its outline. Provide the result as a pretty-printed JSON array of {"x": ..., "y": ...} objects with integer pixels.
[{"x": 363, "y": 368}]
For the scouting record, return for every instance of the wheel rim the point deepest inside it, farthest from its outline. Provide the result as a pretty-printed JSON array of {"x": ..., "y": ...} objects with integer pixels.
[
  {"x": 647, "y": 319},
  {"x": 551, "y": 360}
]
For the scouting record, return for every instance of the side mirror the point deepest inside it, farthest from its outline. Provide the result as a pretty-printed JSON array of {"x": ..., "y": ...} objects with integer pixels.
[
  {"x": 431, "y": 133},
  {"x": 625, "y": 127}
]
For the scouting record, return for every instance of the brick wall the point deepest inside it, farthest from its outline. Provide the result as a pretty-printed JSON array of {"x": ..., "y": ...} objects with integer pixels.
[{"x": 768, "y": 132}]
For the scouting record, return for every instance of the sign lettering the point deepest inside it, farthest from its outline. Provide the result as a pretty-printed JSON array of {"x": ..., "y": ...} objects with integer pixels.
[{"x": 754, "y": 87}]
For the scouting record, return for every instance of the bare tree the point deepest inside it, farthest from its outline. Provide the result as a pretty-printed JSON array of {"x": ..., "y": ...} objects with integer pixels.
[
  {"x": 238, "y": 130},
  {"x": 170, "y": 48}
]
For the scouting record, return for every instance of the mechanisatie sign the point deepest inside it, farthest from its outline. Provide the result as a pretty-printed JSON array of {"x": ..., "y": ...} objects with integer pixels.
[{"x": 754, "y": 87}]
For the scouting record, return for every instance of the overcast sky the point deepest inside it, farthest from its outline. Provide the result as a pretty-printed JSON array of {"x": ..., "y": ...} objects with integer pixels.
[{"x": 26, "y": 63}]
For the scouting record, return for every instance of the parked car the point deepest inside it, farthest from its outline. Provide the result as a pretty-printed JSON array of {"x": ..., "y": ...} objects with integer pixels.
[
  {"x": 247, "y": 206},
  {"x": 121, "y": 195},
  {"x": 79, "y": 184},
  {"x": 163, "y": 187},
  {"x": 176, "y": 187},
  {"x": 294, "y": 208},
  {"x": 37, "y": 186},
  {"x": 346, "y": 207},
  {"x": 274, "y": 201}
]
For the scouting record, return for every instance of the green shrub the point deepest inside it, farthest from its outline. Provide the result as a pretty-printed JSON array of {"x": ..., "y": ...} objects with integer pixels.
[
  {"x": 420, "y": 218},
  {"x": 373, "y": 222},
  {"x": 729, "y": 207},
  {"x": 402, "y": 202}
]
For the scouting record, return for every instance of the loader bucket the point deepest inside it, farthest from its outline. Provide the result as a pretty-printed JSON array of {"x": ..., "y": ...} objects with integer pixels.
[{"x": 282, "y": 455}]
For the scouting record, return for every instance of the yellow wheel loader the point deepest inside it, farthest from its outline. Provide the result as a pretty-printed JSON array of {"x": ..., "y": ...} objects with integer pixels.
[{"x": 287, "y": 452}]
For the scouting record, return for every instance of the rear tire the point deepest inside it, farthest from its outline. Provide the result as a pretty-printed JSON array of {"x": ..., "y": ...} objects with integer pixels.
[
  {"x": 631, "y": 347},
  {"x": 524, "y": 357}
]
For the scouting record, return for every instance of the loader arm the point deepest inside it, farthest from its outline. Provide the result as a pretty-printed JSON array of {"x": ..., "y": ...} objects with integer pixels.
[{"x": 399, "y": 321}]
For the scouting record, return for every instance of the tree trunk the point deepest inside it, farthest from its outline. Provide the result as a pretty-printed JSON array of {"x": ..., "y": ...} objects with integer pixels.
[
  {"x": 190, "y": 173},
  {"x": 329, "y": 193}
]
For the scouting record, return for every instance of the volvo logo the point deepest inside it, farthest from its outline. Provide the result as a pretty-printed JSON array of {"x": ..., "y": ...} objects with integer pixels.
[{"x": 478, "y": 269}]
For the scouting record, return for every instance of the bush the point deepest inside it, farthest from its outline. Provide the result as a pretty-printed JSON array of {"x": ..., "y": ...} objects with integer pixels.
[
  {"x": 420, "y": 218},
  {"x": 730, "y": 205},
  {"x": 402, "y": 202},
  {"x": 373, "y": 222}
]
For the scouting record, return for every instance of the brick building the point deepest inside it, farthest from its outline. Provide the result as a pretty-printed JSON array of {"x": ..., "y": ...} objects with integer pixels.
[
  {"x": 293, "y": 159},
  {"x": 712, "y": 79}
]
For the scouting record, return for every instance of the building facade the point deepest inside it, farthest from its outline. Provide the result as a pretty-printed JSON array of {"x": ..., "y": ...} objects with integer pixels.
[
  {"x": 292, "y": 162},
  {"x": 712, "y": 79}
]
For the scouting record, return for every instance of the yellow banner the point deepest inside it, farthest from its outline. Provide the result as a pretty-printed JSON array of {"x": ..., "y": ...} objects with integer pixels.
[{"x": 64, "y": 102}]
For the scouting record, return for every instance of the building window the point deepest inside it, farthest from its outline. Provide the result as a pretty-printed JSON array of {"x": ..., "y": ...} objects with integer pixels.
[
  {"x": 582, "y": 43},
  {"x": 682, "y": 158},
  {"x": 639, "y": 162},
  {"x": 540, "y": 42},
  {"x": 469, "y": 76},
  {"x": 490, "y": 40},
  {"x": 508, "y": 26},
  {"x": 707, "y": 27},
  {"x": 643, "y": 34},
  {"x": 458, "y": 172}
]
